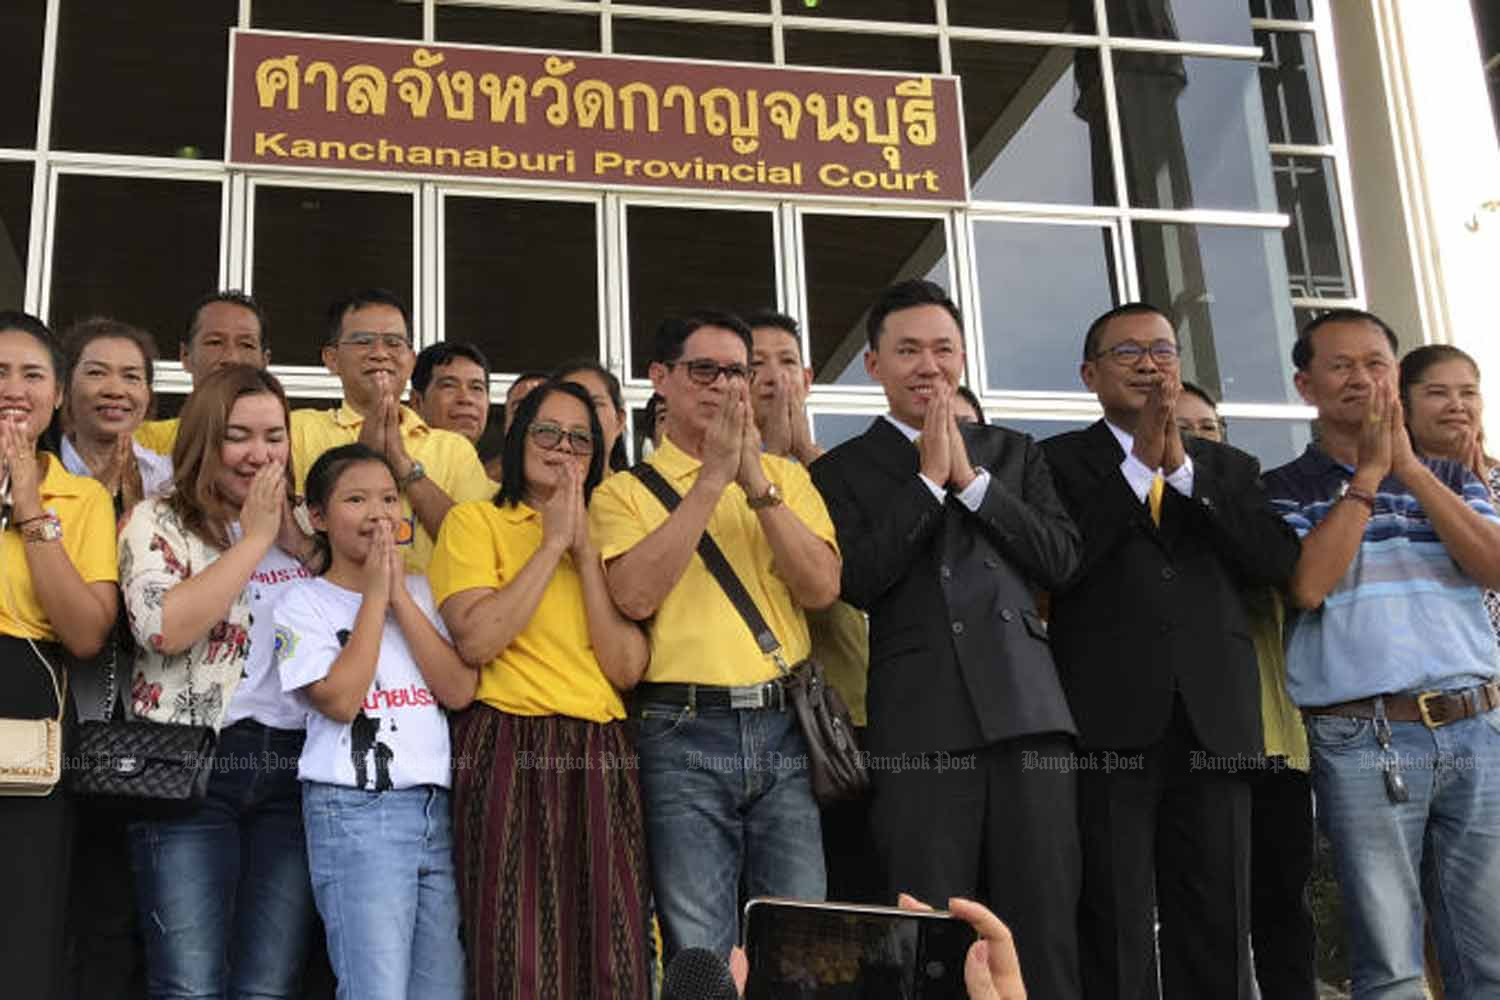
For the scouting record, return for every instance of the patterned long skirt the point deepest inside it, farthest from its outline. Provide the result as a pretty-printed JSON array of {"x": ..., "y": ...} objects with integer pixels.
[{"x": 551, "y": 857}]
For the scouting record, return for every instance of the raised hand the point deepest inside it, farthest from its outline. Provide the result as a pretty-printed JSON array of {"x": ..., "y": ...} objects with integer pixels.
[
  {"x": 375, "y": 582},
  {"x": 18, "y": 450},
  {"x": 1374, "y": 445},
  {"x": 776, "y": 429},
  {"x": 260, "y": 514},
  {"x": 372, "y": 432},
  {"x": 1403, "y": 455},
  {"x": 723, "y": 442},
  {"x": 582, "y": 545},
  {"x": 750, "y": 476},
  {"x": 1173, "y": 453},
  {"x": 1474, "y": 457},
  {"x": 960, "y": 471},
  {"x": 803, "y": 448},
  {"x": 395, "y": 569},
  {"x": 395, "y": 446},
  {"x": 1151, "y": 426},
  {"x": 559, "y": 513},
  {"x": 934, "y": 450}
]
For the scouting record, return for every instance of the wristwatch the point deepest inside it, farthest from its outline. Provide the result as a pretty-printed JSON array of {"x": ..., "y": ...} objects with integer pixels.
[
  {"x": 417, "y": 472},
  {"x": 770, "y": 498},
  {"x": 42, "y": 528},
  {"x": 1351, "y": 492}
]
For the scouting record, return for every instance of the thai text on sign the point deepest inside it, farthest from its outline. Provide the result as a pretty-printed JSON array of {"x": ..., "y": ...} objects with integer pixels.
[{"x": 464, "y": 111}]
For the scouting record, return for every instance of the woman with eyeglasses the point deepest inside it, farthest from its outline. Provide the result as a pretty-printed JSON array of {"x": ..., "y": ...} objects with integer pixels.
[
  {"x": 57, "y": 593},
  {"x": 548, "y": 830}
]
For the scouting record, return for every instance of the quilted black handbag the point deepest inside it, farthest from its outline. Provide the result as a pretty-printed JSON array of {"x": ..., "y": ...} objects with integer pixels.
[{"x": 134, "y": 760}]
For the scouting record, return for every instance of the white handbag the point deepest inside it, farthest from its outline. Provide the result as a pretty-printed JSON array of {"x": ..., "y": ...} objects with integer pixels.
[{"x": 31, "y": 749}]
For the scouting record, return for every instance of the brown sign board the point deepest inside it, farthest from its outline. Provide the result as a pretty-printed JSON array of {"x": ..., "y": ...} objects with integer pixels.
[{"x": 435, "y": 110}]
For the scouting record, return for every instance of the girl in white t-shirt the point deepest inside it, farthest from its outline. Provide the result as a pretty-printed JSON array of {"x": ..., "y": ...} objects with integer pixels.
[{"x": 364, "y": 646}]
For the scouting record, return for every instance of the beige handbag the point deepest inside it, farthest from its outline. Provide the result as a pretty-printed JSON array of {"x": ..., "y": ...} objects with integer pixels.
[{"x": 31, "y": 749}]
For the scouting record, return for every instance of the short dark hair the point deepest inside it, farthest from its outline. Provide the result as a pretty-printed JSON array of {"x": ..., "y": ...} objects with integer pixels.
[
  {"x": 618, "y": 457},
  {"x": 513, "y": 454},
  {"x": 324, "y": 476},
  {"x": 1096, "y": 328},
  {"x": 334, "y": 320},
  {"x": 1302, "y": 350},
  {"x": 972, "y": 400},
  {"x": 1417, "y": 360},
  {"x": 13, "y": 319},
  {"x": 1194, "y": 389},
  {"x": 906, "y": 295},
  {"x": 233, "y": 297},
  {"x": 675, "y": 330},
  {"x": 443, "y": 353},
  {"x": 780, "y": 320}
]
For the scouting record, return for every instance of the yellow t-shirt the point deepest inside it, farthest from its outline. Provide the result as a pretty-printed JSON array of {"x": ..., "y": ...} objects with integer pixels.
[
  {"x": 1285, "y": 735},
  {"x": 550, "y": 667},
  {"x": 696, "y": 635},
  {"x": 159, "y": 436},
  {"x": 449, "y": 460},
  {"x": 88, "y": 521}
]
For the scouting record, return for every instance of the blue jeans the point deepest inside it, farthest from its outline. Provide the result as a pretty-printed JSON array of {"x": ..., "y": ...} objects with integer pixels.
[
  {"x": 223, "y": 894},
  {"x": 727, "y": 797},
  {"x": 382, "y": 872},
  {"x": 1441, "y": 847}
]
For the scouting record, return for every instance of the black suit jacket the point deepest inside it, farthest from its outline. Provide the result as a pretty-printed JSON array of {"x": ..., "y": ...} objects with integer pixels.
[
  {"x": 959, "y": 657},
  {"x": 1153, "y": 611}
]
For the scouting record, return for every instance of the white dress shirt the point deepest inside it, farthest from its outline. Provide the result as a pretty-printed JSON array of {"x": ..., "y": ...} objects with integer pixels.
[
  {"x": 1139, "y": 475},
  {"x": 970, "y": 496}
]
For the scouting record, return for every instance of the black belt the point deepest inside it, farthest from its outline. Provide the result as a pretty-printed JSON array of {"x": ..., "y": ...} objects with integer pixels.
[{"x": 769, "y": 695}]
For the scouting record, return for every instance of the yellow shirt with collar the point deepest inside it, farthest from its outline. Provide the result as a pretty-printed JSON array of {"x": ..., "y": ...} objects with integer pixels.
[
  {"x": 449, "y": 460},
  {"x": 88, "y": 522},
  {"x": 550, "y": 667},
  {"x": 159, "y": 436},
  {"x": 696, "y": 635}
]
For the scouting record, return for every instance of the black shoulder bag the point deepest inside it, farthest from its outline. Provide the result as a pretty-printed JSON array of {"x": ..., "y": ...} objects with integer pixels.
[{"x": 836, "y": 766}]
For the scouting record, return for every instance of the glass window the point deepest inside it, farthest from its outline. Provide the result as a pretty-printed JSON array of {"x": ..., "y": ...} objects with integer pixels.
[
  {"x": 21, "y": 25},
  {"x": 742, "y": 6},
  {"x": 1226, "y": 289},
  {"x": 528, "y": 302},
  {"x": 1290, "y": 87},
  {"x": 1024, "y": 15},
  {"x": 832, "y": 429},
  {"x": 15, "y": 232},
  {"x": 137, "y": 249},
  {"x": 902, "y": 53},
  {"x": 1028, "y": 138},
  {"x": 1194, "y": 131},
  {"x": 1272, "y": 442},
  {"x": 373, "y": 18},
  {"x": 518, "y": 28},
  {"x": 732, "y": 257},
  {"x": 849, "y": 260},
  {"x": 145, "y": 78},
  {"x": 1040, "y": 430},
  {"x": 687, "y": 40},
  {"x": 1317, "y": 252},
  {"x": 910, "y": 11},
  {"x": 1223, "y": 21},
  {"x": 1040, "y": 286},
  {"x": 313, "y": 245},
  {"x": 1284, "y": 10}
]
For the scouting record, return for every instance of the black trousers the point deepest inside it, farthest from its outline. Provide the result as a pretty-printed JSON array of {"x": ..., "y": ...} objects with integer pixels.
[
  {"x": 849, "y": 855},
  {"x": 1164, "y": 826},
  {"x": 1283, "y": 937},
  {"x": 998, "y": 825}
]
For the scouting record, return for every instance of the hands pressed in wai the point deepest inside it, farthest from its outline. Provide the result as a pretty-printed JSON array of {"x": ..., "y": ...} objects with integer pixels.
[{"x": 941, "y": 454}]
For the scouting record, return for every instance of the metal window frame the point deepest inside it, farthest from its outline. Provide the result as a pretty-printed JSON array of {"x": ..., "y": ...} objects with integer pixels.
[{"x": 429, "y": 196}]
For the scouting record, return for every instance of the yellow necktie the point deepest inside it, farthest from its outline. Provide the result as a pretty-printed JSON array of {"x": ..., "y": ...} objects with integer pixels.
[{"x": 1158, "y": 485}]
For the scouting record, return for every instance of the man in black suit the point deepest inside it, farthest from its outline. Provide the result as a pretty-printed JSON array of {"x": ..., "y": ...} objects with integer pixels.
[
  {"x": 1154, "y": 646},
  {"x": 945, "y": 542}
]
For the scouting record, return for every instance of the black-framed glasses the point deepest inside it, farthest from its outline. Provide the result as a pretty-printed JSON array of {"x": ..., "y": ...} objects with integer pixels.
[
  {"x": 551, "y": 436},
  {"x": 705, "y": 372},
  {"x": 365, "y": 341},
  {"x": 1128, "y": 353}
]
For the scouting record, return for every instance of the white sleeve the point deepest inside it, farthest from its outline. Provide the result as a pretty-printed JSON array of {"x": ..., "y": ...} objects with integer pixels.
[{"x": 306, "y": 639}]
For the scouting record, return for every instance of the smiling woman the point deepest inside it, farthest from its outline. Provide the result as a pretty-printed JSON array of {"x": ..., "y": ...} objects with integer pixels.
[{"x": 107, "y": 393}]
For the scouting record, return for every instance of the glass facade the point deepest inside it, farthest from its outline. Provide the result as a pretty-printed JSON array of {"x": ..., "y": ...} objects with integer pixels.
[{"x": 1186, "y": 152}]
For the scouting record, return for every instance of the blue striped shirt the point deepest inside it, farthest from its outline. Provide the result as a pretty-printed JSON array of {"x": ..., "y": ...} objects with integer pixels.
[{"x": 1405, "y": 617}]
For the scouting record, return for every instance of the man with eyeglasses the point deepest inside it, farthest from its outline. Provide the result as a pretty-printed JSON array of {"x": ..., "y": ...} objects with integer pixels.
[
  {"x": 1153, "y": 642},
  {"x": 724, "y": 780},
  {"x": 1393, "y": 663},
  {"x": 369, "y": 349},
  {"x": 948, "y": 530}
]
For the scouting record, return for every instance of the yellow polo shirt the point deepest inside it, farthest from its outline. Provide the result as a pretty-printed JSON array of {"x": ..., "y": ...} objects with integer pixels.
[
  {"x": 696, "y": 635},
  {"x": 159, "y": 436},
  {"x": 550, "y": 667},
  {"x": 88, "y": 520},
  {"x": 448, "y": 458}
]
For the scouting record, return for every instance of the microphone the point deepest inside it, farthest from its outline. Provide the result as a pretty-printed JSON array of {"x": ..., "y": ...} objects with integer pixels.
[{"x": 698, "y": 974}]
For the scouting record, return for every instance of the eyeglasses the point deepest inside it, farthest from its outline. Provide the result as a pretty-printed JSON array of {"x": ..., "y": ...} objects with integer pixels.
[
  {"x": 705, "y": 372},
  {"x": 365, "y": 341},
  {"x": 550, "y": 436},
  {"x": 1128, "y": 353}
]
